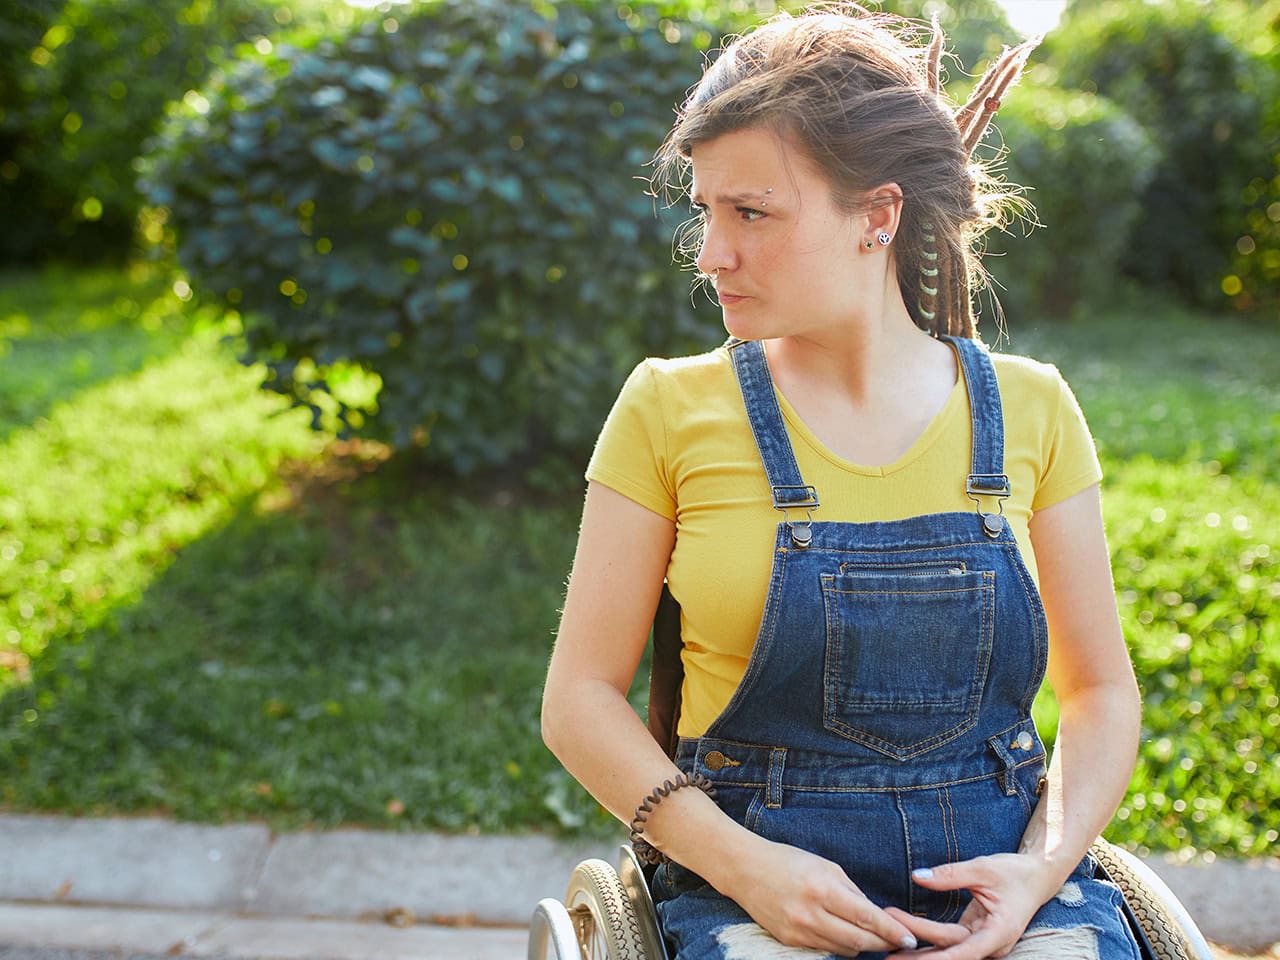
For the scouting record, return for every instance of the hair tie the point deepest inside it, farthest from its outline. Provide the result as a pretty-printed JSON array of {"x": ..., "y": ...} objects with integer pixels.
[{"x": 644, "y": 850}]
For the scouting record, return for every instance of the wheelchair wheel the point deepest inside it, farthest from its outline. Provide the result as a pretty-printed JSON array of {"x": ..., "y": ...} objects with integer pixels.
[
  {"x": 602, "y": 915},
  {"x": 636, "y": 885},
  {"x": 1169, "y": 930},
  {"x": 551, "y": 933}
]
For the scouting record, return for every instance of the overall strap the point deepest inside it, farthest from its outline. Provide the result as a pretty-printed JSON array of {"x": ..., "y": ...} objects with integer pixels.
[
  {"x": 788, "y": 489},
  {"x": 986, "y": 469}
]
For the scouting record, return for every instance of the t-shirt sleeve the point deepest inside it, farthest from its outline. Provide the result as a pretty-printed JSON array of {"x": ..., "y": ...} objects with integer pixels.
[
  {"x": 631, "y": 451},
  {"x": 1070, "y": 460}
]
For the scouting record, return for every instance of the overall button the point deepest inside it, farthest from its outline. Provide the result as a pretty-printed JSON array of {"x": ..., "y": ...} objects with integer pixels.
[
  {"x": 715, "y": 760},
  {"x": 1024, "y": 742},
  {"x": 1040, "y": 785}
]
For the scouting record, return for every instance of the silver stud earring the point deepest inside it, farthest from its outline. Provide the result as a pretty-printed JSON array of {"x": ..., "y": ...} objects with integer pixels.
[
  {"x": 884, "y": 238},
  {"x": 868, "y": 245}
]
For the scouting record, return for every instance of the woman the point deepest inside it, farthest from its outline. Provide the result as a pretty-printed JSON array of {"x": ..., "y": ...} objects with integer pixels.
[{"x": 880, "y": 536}]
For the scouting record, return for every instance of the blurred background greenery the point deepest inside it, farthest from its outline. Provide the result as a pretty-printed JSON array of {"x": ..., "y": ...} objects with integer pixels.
[{"x": 422, "y": 228}]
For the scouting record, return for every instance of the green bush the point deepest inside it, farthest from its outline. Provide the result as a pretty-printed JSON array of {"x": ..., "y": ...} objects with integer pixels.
[
  {"x": 448, "y": 202},
  {"x": 1182, "y": 69},
  {"x": 84, "y": 83},
  {"x": 1256, "y": 260},
  {"x": 21, "y": 27},
  {"x": 1085, "y": 164}
]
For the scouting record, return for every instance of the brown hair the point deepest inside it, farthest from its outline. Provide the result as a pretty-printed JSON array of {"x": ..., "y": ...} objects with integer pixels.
[{"x": 865, "y": 104}]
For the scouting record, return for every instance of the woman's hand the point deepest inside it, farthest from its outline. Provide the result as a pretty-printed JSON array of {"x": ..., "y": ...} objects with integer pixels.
[
  {"x": 1007, "y": 888},
  {"x": 804, "y": 900}
]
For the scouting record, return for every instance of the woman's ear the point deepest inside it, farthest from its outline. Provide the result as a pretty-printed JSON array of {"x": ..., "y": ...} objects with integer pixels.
[{"x": 884, "y": 209}]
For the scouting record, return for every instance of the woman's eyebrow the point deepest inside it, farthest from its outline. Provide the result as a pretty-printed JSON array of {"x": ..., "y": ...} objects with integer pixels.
[{"x": 733, "y": 199}]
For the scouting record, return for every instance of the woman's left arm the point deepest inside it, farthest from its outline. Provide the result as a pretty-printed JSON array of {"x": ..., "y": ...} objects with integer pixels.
[{"x": 1093, "y": 755}]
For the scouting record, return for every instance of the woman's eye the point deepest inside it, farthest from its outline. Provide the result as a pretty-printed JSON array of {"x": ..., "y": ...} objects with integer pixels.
[{"x": 745, "y": 214}]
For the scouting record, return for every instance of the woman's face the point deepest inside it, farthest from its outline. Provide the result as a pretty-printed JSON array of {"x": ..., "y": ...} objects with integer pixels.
[{"x": 783, "y": 259}]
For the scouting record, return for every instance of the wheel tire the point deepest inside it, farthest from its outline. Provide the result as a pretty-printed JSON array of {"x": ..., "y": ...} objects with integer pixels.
[
  {"x": 1168, "y": 927},
  {"x": 551, "y": 933},
  {"x": 602, "y": 914},
  {"x": 634, "y": 882}
]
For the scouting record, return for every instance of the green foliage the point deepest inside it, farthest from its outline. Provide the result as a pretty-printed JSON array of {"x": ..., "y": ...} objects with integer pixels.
[
  {"x": 1085, "y": 164},
  {"x": 63, "y": 331},
  {"x": 199, "y": 616},
  {"x": 1186, "y": 415},
  {"x": 1207, "y": 97},
  {"x": 330, "y": 668},
  {"x": 1256, "y": 258},
  {"x": 975, "y": 29},
  {"x": 89, "y": 82},
  {"x": 448, "y": 202},
  {"x": 1196, "y": 561},
  {"x": 125, "y": 434},
  {"x": 21, "y": 27}
]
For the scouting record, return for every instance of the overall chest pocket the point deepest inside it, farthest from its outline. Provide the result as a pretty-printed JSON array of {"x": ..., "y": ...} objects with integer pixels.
[{"x": 907, "y": 653}]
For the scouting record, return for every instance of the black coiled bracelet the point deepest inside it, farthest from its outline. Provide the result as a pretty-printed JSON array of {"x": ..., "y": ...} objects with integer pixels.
[{"x": 644, "y": 850}]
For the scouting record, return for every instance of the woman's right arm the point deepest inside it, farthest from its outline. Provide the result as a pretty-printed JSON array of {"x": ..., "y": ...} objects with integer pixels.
[
  {"x": 613, "y": 592},
  {"x": 587, "y": 722}
]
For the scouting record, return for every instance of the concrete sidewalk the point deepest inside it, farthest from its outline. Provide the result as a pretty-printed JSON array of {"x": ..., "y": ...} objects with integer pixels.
[{"x": 153, "y": 886}]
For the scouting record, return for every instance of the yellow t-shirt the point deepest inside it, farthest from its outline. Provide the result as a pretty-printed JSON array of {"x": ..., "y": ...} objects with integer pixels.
[{"x": 678, "y": 443}]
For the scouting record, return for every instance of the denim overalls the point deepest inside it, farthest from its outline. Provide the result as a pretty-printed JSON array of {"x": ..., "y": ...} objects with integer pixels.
[{"x": 884, "y": 719}]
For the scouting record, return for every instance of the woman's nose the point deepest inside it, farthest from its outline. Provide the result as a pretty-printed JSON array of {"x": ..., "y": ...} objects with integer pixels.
[{"x": 715, "y": 252}]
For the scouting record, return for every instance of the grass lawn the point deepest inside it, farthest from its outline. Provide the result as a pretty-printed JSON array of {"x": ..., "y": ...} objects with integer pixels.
[
  {"x": 207, "y": 610},
  {"x": 1186, "y": 413}
]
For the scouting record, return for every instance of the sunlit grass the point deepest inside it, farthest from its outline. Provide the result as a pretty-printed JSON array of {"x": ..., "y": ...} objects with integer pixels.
[
  {"x": 126, "y": 433},
  {"x": 201, "y": 615},
  {"x": 335, "y": 659},
  {"x": 1186, "y": 413},
  {"x": 61, "y": 331},
  {"x": 97, "y": 497}
]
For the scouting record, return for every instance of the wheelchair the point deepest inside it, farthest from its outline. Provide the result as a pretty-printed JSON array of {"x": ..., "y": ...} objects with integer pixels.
[{"x": 608, "y": 914}]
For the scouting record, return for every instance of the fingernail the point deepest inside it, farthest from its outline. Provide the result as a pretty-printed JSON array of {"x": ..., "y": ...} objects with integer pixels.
[
  {"x": 909, "y": 942},
  {"x": 923, "y": 873}
]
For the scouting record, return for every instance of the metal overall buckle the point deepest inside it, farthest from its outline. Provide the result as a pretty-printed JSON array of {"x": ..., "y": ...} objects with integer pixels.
[
  {"x": 989, "y": 485},
  {"x": 801, "y": 530}
]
